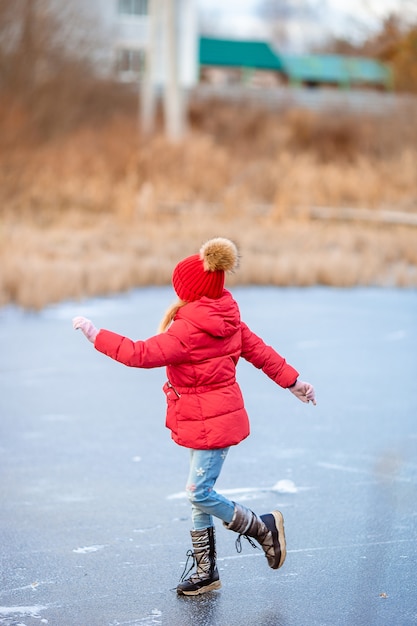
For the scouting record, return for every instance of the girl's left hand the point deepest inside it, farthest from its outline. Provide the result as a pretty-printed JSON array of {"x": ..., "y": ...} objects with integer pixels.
[{"x": 304, "y": 392}]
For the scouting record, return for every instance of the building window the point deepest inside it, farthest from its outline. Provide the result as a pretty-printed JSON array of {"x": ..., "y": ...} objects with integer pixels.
[
  {"x": 129, "y": 63},
  {"x": 132, "y": 7}
]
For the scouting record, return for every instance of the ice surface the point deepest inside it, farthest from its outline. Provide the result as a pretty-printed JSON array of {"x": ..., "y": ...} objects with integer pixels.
[{"x": 94, "y": 522}]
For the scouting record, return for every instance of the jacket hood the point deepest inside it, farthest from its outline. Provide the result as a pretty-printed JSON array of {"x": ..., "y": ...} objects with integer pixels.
[{"x": 219, "y": 317}]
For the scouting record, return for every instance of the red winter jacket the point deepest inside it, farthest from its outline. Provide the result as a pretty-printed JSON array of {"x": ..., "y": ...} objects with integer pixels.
[{"x": 200, "y": 350}]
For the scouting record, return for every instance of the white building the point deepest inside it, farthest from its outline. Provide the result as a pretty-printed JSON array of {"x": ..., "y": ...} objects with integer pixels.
[{"x": 128, "y": 30}]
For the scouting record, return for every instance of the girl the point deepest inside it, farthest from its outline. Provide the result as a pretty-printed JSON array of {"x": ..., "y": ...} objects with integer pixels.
[{"x": 200, "y": 341}]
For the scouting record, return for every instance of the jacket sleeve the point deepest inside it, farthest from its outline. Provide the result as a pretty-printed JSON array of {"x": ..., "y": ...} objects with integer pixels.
[
  {"x": 265, "y": 358},
  {"x": 158, "y": 351}
]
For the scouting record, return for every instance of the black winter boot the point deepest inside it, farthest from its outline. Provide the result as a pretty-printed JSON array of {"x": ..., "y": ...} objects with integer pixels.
[
  {"x": 206, "y": 577},
  {"x": 268, "y": 530}
]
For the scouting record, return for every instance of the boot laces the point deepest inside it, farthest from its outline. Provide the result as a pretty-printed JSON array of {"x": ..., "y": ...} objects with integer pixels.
[
  {"x": 238, "y": 543},
  {"x": 190, "y": 555},
  {"x": 197, "y": 576}
]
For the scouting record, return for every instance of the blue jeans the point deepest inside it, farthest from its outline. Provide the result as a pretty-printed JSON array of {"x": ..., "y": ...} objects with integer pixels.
[{"x": 205, "y": 467}]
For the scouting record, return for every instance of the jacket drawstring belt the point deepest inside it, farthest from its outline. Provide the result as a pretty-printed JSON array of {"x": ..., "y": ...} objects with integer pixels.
[
  {"x": 173, "y": 389},
  {"x": 198, "y": 389}
]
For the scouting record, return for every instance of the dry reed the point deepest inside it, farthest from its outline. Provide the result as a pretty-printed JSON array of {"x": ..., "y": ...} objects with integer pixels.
[{"x": 102, "y": 210}]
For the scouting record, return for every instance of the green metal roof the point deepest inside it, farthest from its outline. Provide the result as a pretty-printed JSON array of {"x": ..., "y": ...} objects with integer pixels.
[
  {"x": 326, "y": 68},
  {"x": 335, "y": 69},
  {"x": 235, "y": 53}
]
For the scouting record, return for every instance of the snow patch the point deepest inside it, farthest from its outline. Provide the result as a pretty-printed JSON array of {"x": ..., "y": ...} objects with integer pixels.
[
  {"x": 245, "y": 493},
  {"x": 88, "y": 549},
  {"x": 285, "y": 486},
  {"x": 23, "y": 611}
]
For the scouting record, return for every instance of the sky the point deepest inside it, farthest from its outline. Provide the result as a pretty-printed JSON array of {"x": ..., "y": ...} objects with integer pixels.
[{"x": 352, "y": 18}]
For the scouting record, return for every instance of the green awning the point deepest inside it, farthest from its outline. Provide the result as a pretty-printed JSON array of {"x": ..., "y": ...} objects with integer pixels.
[
  {"x": 234, "y": 53},
  {"x": 325, "y": 68},
  {"x": 335, "y": 69}
]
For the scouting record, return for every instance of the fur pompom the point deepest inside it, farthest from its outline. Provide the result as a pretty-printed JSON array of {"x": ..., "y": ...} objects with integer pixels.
[{"x": 219, "y": 254}]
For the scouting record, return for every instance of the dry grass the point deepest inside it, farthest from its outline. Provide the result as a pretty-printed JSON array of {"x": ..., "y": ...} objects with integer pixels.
[{"x": 102, "y": 210}]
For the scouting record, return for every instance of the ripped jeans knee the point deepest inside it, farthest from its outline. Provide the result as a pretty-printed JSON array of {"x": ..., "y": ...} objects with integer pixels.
[
  {"x": 198, "y": 495},
  {"x": 205, "y": 467}
]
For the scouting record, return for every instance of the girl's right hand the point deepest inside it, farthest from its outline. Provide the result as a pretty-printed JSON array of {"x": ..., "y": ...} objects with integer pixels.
[{"x": 86, "y": 326}]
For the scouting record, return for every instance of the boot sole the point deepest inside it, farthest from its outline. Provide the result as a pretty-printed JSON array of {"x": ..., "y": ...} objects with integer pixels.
[
  {"x": 279, "y": 522},
  {"x": 196, "y": 592}
]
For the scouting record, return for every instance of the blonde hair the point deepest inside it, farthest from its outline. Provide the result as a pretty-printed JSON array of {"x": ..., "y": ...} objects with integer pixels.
[{"x": 169, "y": 315}]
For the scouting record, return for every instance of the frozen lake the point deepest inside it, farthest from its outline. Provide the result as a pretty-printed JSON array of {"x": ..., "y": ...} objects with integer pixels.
[{"x": 94, "y": 525}]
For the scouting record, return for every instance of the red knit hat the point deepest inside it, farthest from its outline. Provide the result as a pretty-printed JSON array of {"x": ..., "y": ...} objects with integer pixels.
[{"x": 203, "y": 274}]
